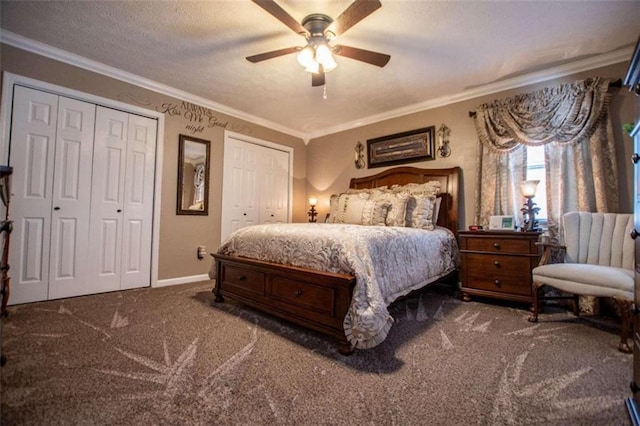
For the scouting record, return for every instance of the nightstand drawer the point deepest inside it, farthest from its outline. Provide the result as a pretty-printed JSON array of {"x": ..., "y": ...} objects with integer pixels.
[
  {"x": 497, "y": 245},
  {"x": 508, "y": 274}
]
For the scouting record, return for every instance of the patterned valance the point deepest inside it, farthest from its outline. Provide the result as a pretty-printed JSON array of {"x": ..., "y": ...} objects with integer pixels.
[{"x": 566, "y": 114}]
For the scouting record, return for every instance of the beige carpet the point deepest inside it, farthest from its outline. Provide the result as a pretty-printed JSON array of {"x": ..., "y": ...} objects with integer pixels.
[{"x": 171, "y": 356}]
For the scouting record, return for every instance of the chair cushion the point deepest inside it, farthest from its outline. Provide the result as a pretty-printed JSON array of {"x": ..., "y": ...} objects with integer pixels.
[{"x": 585, "y": 279}]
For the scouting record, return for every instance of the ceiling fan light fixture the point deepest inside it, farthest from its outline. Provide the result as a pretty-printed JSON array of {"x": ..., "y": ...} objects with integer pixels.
[{"x": 324, "y": 57}]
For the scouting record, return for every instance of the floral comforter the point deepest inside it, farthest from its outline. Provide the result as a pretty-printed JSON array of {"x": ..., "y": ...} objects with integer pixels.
[{"x": 388, "y": 262}]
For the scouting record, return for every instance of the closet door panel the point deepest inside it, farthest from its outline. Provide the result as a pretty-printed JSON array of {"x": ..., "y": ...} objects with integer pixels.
[
  {"x": 107, "y": 198},
  {"x": 240, "y": 186},
  {"x": 274, "y": 194},
  {"x": 138, "y": 202},
  {"x": 33, "y": 139},
  {"x": 71, "y": 199}
]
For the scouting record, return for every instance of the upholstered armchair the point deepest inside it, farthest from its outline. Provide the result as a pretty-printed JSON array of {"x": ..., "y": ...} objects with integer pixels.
[{"x": 598, "y": 261}]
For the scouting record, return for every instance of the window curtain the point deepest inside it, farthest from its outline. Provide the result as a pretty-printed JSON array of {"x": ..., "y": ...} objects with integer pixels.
[{"x": 573, "y": 124}]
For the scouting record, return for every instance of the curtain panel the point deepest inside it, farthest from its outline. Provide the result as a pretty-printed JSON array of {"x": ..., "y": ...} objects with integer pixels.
[{"x": 573, "y": 124}]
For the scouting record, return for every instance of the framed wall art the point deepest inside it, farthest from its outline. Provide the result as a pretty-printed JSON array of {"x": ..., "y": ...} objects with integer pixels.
[{"x": 407, "y": 147}]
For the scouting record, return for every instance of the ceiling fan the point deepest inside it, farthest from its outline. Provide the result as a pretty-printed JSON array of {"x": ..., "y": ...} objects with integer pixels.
[{"x": 319, "y": 30}]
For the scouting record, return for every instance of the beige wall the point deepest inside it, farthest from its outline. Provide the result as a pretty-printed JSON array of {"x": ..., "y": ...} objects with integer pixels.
[
  {"x": 179, "y": 235},
  {"x": 331, "y": 159},
  {"x": 321, "y": 168}
]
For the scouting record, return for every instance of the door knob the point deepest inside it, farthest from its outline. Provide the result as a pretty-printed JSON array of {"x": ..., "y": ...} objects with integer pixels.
[
  {"x": 635, "y": 157},
  {"x": 56, "y": 208},
  {"x": 634, "y": 234},
  {"x": 119, "y": 210}
]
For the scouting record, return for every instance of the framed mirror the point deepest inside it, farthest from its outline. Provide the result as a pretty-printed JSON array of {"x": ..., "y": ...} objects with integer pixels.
[{"x": 193, "y": 176}]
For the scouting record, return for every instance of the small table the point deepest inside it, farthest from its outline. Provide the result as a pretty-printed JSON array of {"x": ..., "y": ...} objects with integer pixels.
[{"x": 498, "y": 264}]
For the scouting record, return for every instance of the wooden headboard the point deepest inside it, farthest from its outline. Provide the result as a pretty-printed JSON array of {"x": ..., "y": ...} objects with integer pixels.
[{"x": 449, "y": 183}]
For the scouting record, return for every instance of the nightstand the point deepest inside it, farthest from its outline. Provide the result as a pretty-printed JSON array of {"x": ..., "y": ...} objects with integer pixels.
[{"x": 498, "y": 264}]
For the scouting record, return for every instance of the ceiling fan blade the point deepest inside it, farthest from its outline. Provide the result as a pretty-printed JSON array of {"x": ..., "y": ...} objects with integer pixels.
[
  {"x": 281, "y": 15},
  {"x": 317, "y": 79},
  {"x": 356, "y": 12},
  {"x": 373, "y": 58},
  {"x": 273, "y": 54}
]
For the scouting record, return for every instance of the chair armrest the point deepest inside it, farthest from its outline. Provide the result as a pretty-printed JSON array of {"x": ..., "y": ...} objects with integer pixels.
[{"x": 546, "y": 254}]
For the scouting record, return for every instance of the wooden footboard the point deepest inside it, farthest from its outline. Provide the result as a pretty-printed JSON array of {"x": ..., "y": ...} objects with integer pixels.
[{"x": 317, "y": 300}]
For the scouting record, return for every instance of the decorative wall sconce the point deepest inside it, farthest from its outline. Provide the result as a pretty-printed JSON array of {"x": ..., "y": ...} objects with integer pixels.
[
  {"x": 312, "y": 213},
  {"x": 529, "y": 211},
  {"x": 359, "y": 152},
  {"x": 443, "y": 141}
]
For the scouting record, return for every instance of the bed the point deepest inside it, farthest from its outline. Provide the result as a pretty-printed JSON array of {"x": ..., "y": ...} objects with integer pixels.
[{"x": 347, "y": 300}]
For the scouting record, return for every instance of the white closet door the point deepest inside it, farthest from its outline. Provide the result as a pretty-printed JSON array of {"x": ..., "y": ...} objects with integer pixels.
[
  {"x": 274, "y": 194},
  {"x": 240, "y": 193},
  {"x": 33, "y": 135},
  {"x": 71, "y": 199},
  {"x": 107, "y": 198},
  {"x": 138, "y": 203}
]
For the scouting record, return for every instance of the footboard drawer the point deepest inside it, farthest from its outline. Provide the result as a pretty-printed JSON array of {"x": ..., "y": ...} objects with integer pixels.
[
  {"x": 314, "y": 299},
  {"x": 241, "y": 280},
  {"x": 303, "y": 295}
]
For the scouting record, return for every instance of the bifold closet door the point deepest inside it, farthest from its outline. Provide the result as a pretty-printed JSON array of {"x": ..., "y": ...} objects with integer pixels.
[
  {"x": 122, "y": 201},
  {"x": 51, "y": 153},
  {"x": 240, "y": 188},
  {"x": 274, "y": 191}
]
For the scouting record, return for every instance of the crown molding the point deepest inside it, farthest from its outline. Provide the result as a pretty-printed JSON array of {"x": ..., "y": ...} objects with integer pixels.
[
  {"x": 20, "y": 42},
  {"x": 610, "y": 58}
]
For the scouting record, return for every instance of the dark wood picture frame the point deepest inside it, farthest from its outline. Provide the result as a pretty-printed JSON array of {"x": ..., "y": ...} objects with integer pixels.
[
  {"x": 192, "y": 153},
  {"x": 400, "y": 148}
]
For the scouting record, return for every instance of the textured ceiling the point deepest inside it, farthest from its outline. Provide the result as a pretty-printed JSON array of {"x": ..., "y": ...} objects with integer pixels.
[{"x": 438, "y": 49}]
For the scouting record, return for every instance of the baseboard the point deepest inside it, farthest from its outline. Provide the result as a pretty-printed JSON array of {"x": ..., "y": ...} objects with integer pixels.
[{"x": 182, "y": 280}]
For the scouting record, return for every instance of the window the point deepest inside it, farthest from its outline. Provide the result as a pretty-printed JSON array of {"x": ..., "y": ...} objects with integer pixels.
[{"x": 535, "y": 170}]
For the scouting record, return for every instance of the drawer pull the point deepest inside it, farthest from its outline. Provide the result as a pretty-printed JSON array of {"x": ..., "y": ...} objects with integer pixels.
[
  {"x": 242, "y": 278},
  {"x": 497, "y": 263},
  {"x": 497, "y": 283},
  {"x": 297, "y": 293},
  {"x": 496, "y": 246}
]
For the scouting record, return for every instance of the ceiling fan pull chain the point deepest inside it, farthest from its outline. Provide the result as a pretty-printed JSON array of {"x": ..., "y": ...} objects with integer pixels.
[{"x": 324, "y": 91}]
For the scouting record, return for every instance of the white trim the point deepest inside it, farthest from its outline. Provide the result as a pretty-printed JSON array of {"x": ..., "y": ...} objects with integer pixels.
[
  {"x": 20, "y": 42},
  {"x": 229, "y": 134},
  {"x": 615, "y": 57},
  {"x": 183, "y": 280},
  {"x": 9, "y": 80}
]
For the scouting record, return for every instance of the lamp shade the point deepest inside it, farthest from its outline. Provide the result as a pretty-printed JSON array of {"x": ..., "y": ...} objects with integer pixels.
[
  {"x": 305, "y": 57},
  {"x": 529, "y": 187},
  {"x": 324, "y": 56},
  {"x": 313, "y": 201}
]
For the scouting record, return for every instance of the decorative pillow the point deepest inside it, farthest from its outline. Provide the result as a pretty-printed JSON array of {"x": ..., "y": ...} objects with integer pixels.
[
  {"x": 428, "y": 188},
  {"x": 375, "y": 212},
  {"x": 363, "y": 190},
  {"x": 397, "y": 215},
  {"x": 333, "y": 208},
  {"x": 350, "y": 208},
  {"x": 436, "y": 210},
  {"x": 423, "y": 213}
]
